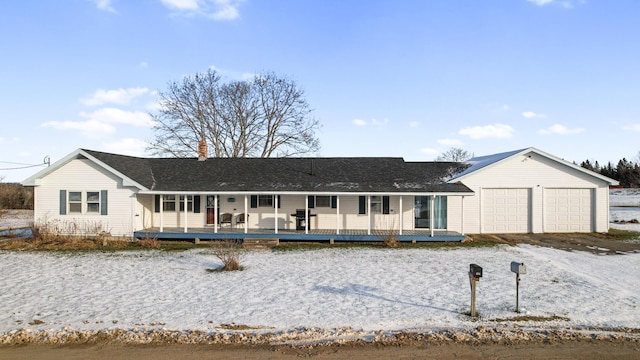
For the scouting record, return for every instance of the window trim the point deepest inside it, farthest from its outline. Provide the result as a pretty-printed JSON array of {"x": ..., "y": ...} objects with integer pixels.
[
  {"x": 83, "y": 202},
  {"x": 168, "y": 203},
  {"x": 189, "y": 203},
  {"x": 74, "y": 202},
  {"x": 323, "y": 198},
  {"x": 95, "y": 202},
  {"x": 265, "y": 201}
]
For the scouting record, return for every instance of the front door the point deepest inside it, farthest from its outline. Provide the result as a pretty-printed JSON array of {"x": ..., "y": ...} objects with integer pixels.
[{"x": 211, "y": 213}]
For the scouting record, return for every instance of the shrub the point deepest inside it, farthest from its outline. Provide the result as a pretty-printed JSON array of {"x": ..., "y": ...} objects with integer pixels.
[
  {"x": 388, "y": 235},
  {"x": 229, "y": 252},
  {"x": 149, "y": 242},
  {"x": 391, "y": 241}
]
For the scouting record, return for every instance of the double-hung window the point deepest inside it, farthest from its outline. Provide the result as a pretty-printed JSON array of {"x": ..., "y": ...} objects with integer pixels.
[
  {"x": 168, "y": 203},
  {"x": 376, "y": 204},
  {"x": 265, "y": 200},
  {"x": 189, "y": 202},
  {"x": 93, "y": 202},
  {"x": 83, "y": 202},
  {"x": 75, "y": 202},
  {"x": 323, "y": 201}
]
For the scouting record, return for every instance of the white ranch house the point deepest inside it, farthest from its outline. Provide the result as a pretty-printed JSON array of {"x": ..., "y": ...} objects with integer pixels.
[{"x": 348, "y": 199}]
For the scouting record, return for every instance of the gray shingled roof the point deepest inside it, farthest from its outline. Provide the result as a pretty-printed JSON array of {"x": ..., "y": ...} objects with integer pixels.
[{"x": 384, "y": 175}]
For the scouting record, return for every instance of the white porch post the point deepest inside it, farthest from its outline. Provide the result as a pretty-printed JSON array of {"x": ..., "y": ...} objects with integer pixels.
[
  {"x": 161, "y": 213},
  {"x": 431, "y": 210},
  {"x": 275, "y": 203},
  {"x": 368, "y": 210},
  {"x": 401, "y": 215},
  {"x": 462, "y": 216},
  {"x": 246, "y": 215},
  {"x": 185, "y": 212},
  {"x": 306, "y": 214},
  {"x": 215, "y": 214},
  {"x": 338, "y": 214}
]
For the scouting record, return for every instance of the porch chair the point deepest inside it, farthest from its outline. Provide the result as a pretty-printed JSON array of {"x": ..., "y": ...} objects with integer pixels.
[
  {"x": 226, "y": 219},
  {"x": 240, "y": 219}
]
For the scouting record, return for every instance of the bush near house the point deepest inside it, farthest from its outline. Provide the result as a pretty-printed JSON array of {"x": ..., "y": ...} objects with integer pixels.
[{"x": 15, "y": 196}]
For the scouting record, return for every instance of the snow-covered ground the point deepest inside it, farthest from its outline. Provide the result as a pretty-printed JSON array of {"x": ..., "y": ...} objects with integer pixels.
[
  {"x": 359, "y": 288},
  {"x": 624, "y": 206},
  {"x": 357, "y": 291}
]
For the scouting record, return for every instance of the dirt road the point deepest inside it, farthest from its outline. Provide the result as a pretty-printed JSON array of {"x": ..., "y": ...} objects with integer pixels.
[{"x": 567, "y": 350}]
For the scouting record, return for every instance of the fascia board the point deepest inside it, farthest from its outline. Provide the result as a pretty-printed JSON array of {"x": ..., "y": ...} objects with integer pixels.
[{"x": 35, "y": 180}]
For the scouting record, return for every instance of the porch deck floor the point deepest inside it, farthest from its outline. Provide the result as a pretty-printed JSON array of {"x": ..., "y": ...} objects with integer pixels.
[{"x": 208, "y": 233}]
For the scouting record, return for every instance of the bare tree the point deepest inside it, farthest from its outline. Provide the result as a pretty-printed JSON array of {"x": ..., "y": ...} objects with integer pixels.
[
  {"x": 263, "y": 117},
  {"x": 455, "y": 155}
]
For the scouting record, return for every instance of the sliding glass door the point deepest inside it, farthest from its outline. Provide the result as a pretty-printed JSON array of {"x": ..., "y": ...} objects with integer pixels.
[{"x": 422, "y": 212}]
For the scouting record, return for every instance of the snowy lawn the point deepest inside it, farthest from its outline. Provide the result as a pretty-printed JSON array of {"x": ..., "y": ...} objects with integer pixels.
[{"x": 362, "y": 288}]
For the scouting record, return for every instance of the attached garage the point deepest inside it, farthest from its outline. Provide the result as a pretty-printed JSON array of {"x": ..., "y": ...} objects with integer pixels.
[
  {"x": 530, "y": 191},
  {"x": 506, "y": 210},
  {"x": 568, "y": 210}
]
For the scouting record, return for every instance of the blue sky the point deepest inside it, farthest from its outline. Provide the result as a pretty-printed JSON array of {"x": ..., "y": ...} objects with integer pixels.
[{"x": 385, "y": 78}]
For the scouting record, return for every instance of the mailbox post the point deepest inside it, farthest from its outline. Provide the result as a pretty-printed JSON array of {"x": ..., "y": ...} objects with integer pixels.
[
  {"x": 518, "y": 268},
  {"x": 475, "y": 273}
]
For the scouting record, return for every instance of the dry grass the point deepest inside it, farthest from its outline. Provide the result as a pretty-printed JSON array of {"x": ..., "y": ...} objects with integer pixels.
[
  {"x": 229, "y": 252},
  {"x": 67, "y": 235},
  {"x": 149, "y": 242},
  {"x": 388, "y": 236}
]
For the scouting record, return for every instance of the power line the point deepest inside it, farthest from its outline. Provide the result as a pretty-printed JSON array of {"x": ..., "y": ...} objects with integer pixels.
[{"x": 45, "y": 161}]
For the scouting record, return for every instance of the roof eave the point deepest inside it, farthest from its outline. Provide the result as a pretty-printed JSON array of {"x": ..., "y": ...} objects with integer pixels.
[
  {"x": 608, "y": 180},
  {"x": 36, "y": 179}
]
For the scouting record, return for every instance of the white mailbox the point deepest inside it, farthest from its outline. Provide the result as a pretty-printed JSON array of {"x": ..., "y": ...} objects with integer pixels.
[{"x": 518, "y": 268}]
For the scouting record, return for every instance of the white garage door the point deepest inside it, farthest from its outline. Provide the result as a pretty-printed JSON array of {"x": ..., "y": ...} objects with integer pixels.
[
  {"x": 506, "y": 210},
  {"x": 568, "y": 210}
]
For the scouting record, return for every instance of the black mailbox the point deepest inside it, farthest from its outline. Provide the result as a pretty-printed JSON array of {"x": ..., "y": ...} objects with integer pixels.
[{"x": 475, "y": 271}]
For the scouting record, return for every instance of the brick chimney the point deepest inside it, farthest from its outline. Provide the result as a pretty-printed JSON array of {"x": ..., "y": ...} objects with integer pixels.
[{"x": 202, "y": 150}]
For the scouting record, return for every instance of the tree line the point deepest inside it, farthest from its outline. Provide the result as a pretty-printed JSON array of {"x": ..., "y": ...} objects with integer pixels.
[
  {"x": 15, "y": 196},
  {"x": 625, "y": 171}
]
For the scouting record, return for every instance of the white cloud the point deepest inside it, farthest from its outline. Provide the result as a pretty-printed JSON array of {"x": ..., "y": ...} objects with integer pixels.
[
  {"x": 449, "y": 142},
  {"x": 127, "y": 146},
  {"x": 414, "y": 124},
  {"x": 118, "y": 116},
  {"x": 105, "y": 5},
  {"x": 559, "y": 129},
  {"x": 541, "y": 2},
  {"x": 567, "y": 4},
  {"x": 214, "y": 9},
  {"x": 119, "y": 96},
  {"x": 505, "y": 107},
  {"x": 533, "y": 115},
  {"x": 382, "y": 122},
  {"x": 143, "y": 64},
  {"x": 181, "y": 4},
  {"x": 359, "y": 122},
  {"x": 429, "y": 151},
  {"x": 632, "y": 127},
  {"x": 100, "y": 123},
  {"x": 495, "y": 131},
  {"x": 90, "y": 128}
]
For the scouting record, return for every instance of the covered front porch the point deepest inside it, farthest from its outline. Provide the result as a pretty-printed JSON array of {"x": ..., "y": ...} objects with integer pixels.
[
  {"x": 302, "y": 216},
  {"x": 207, "y": 233}
]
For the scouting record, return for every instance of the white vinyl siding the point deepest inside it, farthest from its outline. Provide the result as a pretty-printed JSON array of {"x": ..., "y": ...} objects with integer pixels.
[
  {"x": 536, "y": 173},
  {"x": 84, "y": 176},
  {"x": 506, "y": 210},
  {"x": 568, "y": 210}
]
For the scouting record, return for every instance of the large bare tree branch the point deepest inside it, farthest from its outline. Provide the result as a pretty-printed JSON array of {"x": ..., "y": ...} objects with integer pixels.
[{"x": 264, "y": 117}]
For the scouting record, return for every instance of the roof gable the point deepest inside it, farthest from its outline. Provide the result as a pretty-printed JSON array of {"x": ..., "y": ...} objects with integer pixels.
[
  {"x": 483, "y": 162},
  {"x": 35, "y": 179}
]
